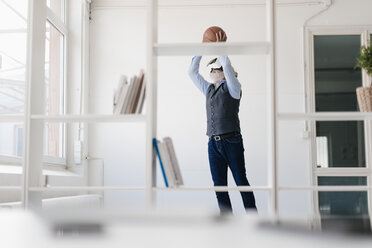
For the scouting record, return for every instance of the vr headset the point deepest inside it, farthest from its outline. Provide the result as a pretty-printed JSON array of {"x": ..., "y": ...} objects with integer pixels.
[{"x": 214, "y": 64}]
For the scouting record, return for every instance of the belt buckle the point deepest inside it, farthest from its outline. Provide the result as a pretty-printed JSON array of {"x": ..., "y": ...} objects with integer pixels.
[{"x": 217, "y": 138}]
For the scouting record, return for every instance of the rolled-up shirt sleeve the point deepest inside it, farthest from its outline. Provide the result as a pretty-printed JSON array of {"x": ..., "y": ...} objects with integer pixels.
[
  {"x": 233, "y": 83},
  {"x": 195, "y": 76}
]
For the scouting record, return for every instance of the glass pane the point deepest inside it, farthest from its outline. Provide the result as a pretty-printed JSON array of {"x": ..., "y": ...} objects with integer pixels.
[
  {"x": 335, "y": 76},
  {"x": 58, "y": 8},
  {"x": 339, "y": 143},
  {"x": 54, "y": 79},
  {"x": 347, "y": 209},
  {"x": 18, "y": 133},
  {"x": 13, "y": 41},
  {"x": 343, "y": 203},
  {"x": 344, "y": 145}
]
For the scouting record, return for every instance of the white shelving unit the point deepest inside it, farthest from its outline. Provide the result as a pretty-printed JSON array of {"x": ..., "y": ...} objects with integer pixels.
[
  {"x": 35, "y": 118},
  {"x": 154, "y": 49}
]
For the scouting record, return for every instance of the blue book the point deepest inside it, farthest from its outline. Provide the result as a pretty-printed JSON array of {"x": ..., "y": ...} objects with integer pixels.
[{"x": 160, "y": 161}]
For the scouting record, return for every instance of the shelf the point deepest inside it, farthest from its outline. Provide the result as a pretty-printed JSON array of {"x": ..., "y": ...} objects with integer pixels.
[
  {"x": 11, "y": 118},
  {"x": 327, "y": 116},
  {"x": 211, "y": 48},
  {"x": 110, "y": 188},
  {"x": 10, "y": 188},
  {"x": 84, "y": 188},
  {"x": 216, "y": 188},
  {"x": 91, "y": 118},
  {"x": 327, "y": 188}
]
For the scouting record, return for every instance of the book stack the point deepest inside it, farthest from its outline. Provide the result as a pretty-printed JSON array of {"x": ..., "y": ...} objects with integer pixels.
[
  {"x": 129, "y": 97},
  {"x": 168, "y": 162}
]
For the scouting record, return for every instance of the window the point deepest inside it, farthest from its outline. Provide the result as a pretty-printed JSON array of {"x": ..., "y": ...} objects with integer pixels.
[
  {"x": 54, "y": 82},
  {"x": 13, "y": 39},
  {"x": 55, "y": 50}
]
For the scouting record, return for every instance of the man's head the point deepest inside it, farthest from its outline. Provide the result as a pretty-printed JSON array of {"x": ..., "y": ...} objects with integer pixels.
[
  {"x": 217, "y": 75},
  {"x": 215, "y": 71}
]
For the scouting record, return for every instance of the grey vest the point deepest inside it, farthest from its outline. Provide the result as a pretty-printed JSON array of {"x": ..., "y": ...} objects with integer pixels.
[{"x": 222, "y": 111}]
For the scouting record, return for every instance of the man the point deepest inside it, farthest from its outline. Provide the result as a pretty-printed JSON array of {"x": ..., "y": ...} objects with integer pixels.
[{"x": 225, "y": 146}]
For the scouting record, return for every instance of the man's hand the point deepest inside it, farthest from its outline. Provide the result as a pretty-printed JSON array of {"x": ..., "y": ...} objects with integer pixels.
[{"x": 220, "y": 36}]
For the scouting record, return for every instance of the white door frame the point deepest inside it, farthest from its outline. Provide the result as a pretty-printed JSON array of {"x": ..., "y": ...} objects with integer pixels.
[{"x": 310, "y": 32}]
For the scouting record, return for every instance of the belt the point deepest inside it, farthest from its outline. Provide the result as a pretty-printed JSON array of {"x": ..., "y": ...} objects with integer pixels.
[{"x": 224, "y": 136}]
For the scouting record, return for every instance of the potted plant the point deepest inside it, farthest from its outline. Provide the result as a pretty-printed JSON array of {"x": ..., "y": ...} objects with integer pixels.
[{"x": 364, "y": 94}]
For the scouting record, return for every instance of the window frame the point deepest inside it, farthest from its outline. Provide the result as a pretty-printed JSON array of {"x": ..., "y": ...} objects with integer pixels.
[
  {"x": 61, "y": 26},
  {"x": 365, "y": 32},
  {"x": 51, "y": 162}
]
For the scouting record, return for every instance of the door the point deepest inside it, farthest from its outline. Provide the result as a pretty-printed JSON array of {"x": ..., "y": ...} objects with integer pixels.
[{"x": 340, "y": 145}]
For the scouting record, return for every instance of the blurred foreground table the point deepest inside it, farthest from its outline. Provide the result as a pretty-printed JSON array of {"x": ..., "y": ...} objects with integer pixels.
[{"x": 115, "y": 228}]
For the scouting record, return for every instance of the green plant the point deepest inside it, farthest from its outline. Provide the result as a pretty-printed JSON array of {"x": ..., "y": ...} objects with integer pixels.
[{"x": 364, "y": 59}]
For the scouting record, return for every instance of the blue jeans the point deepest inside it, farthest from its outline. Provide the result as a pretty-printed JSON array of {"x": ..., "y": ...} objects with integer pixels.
[{"x": 226, "y": 153}]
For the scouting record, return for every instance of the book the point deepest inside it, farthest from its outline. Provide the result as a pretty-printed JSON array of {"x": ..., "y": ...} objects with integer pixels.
[
  {"x": 155, "y": 142},
  {"x": 136, "y": 92},
  {"x": 141, "y": 99},
  {"x": 129, "y": 96},
  {"x": 120, "y": 95},
  {"x": 168, "y": 162},
  {"x": 117, "y": 92},
  {"x": 173, "y": 161}
]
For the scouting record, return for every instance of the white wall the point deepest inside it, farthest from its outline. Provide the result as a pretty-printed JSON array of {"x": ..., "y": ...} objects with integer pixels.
[{"x": 118, "y": 47}]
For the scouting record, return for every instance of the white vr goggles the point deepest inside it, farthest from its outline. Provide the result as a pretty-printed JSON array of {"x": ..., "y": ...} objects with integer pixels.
[{"x": 214, "y": 64}]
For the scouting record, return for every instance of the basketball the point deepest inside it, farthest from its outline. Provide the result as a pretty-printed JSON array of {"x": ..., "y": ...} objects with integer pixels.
[{"x": 213, "y": 33}]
